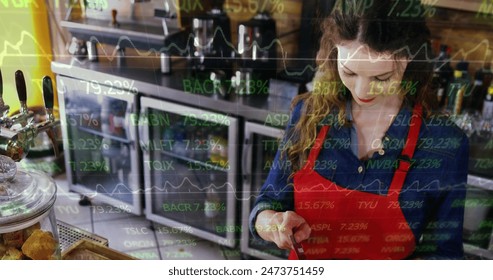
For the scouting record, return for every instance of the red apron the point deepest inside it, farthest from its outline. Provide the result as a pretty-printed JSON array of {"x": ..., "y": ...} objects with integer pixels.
[{"x": 351, "y": 224}]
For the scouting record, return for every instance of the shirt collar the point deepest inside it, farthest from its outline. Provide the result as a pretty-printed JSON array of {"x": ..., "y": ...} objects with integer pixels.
[
  {"x": 399, "y": 127},
  {"x": 397, "y": 130}
]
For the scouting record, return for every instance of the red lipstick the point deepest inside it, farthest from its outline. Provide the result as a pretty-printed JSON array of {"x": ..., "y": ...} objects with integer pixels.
[{"x": 366, "y": 100}]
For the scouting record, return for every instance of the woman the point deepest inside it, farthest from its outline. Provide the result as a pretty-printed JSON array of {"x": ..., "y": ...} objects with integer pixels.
[{"x": 368, "y": 169}]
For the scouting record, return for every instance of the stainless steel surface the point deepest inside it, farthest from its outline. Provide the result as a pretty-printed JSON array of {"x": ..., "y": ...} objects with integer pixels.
[
  {"x": 92, "y": 51},
  {"x": 120, "y": 56},
  {"x": 128, "y": 29},
  {"x": 17, "y": 132},
  {"x": 478, "y": 252},
  {"x": 203, "y": 30},
  {"x": 475, "y": 216},
  {"x": 165, "y": 60},
  {"x": 165, "y": 15},
  {"x": 480, "y": 182},
  {"x": 137, "y": 34},
  {"x": 242, "y": 82},
  {"x": 255, "y": 38},
  {"x": 69, "y": 235},
  {"x": 149, "y": 82}
]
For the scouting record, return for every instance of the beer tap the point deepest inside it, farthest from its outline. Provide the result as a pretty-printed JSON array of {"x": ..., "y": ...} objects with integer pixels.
[{"x": 17, "y": 133}]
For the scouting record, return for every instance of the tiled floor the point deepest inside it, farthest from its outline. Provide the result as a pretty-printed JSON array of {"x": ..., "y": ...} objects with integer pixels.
[{"x": 134, "y": 235}]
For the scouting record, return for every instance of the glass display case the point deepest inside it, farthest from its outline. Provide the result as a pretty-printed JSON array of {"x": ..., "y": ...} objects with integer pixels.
[
  {"x": 100, "y": 145},
  {"x": 260, "y": 147},
  {"x": 190, "y": 169}
]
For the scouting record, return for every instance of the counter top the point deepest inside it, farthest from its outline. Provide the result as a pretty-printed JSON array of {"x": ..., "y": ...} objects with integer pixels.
[{"x": 181, "y": 87}]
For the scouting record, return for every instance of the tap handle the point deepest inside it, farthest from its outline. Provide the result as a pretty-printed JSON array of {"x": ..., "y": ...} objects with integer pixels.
[
  {"x": 49, "y": 99},
  {"x": 48, "y": 92},
  {"x": 1, "y": 86},
  {"x": 20, "y": 83},
  {"x": 114, "y": 22},
  {"x": 4, "y": 108},
  {"x": 114, "y": 13}
]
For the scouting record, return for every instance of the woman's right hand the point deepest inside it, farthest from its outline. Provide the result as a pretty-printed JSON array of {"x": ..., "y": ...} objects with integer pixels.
[{"x": 278, "y": 226}]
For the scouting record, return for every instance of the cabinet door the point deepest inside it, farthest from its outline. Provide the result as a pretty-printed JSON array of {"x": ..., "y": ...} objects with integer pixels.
[
  {"x": 260, "y": 148},
  {"x": 190, "y": 169},
  {"x": 101, "y": 150}
]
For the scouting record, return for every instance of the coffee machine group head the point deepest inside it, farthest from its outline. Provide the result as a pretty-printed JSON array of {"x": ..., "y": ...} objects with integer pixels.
[
  {"x": 211, "y": 47},
  {"x": 257, "y": 52}
]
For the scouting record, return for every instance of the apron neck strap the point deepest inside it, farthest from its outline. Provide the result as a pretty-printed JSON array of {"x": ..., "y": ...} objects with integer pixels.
[
  {"x": 413, "y": 134},
  {"x": 405, "y": 158}
]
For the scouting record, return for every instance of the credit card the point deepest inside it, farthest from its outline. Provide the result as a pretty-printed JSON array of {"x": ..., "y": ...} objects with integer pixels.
[{"x": 298, "y": 249}]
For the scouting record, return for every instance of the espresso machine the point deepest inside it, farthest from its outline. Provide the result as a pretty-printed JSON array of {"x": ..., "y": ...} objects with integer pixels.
[
  {"x": 256, "y": 55},
  {"x": 211, "y": 48}
]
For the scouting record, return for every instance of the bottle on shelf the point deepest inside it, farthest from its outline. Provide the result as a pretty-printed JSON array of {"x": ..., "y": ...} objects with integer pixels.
[
  {"x": 488, "y": 105},
  {"x": 212, "y": 203},
  {"x": 223, "y": 155},
  {"x": 476, "y": 92},
  {"x": 482, "y": 81},
  {"x": 218, "y": 153},
  {"x": 442, "y": 74},
  {"x": 116, "y": 118},
  {"x": 190, "y": 138},
  {"x": 458, "y": 89},
  {"x": 198, "y": 144},
  {"x": 180, "y": 137},
  {"x": 169, "y": 138}
]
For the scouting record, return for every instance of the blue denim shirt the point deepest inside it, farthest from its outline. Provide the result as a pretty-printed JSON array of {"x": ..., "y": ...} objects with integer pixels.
[{"x": 432, "y": 198}]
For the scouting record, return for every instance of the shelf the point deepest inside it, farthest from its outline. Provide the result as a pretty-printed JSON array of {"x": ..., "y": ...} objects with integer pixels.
[
  {"x": 480, "y": 182},
  {"x": 200, "y": 165},
  {"x": 143, "y": 35},
  {"x": 461, "y": 15},
  {"x": 104, "y": 135},
  {"x": 470, "y": 6}
]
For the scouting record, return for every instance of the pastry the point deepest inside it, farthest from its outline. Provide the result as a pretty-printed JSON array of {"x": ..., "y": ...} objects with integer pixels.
[
  {"x": 3, "y": 249},
  {"x": 40, "y": 245},
  {"x": 28, "y": 231},
  {"x": 12, "y": 254},
  {"x": 13, "y": 239}
]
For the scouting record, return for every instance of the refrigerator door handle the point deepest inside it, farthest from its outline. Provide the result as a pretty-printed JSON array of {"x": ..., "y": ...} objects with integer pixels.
[
  {"x": 130, "y": 126},
  {"x": 247, "y": 159},
  {"x": 143, "y": 131}
]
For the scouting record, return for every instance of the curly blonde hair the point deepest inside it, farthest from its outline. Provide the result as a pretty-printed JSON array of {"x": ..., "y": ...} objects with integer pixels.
[{"x": 383, "y": 27}]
